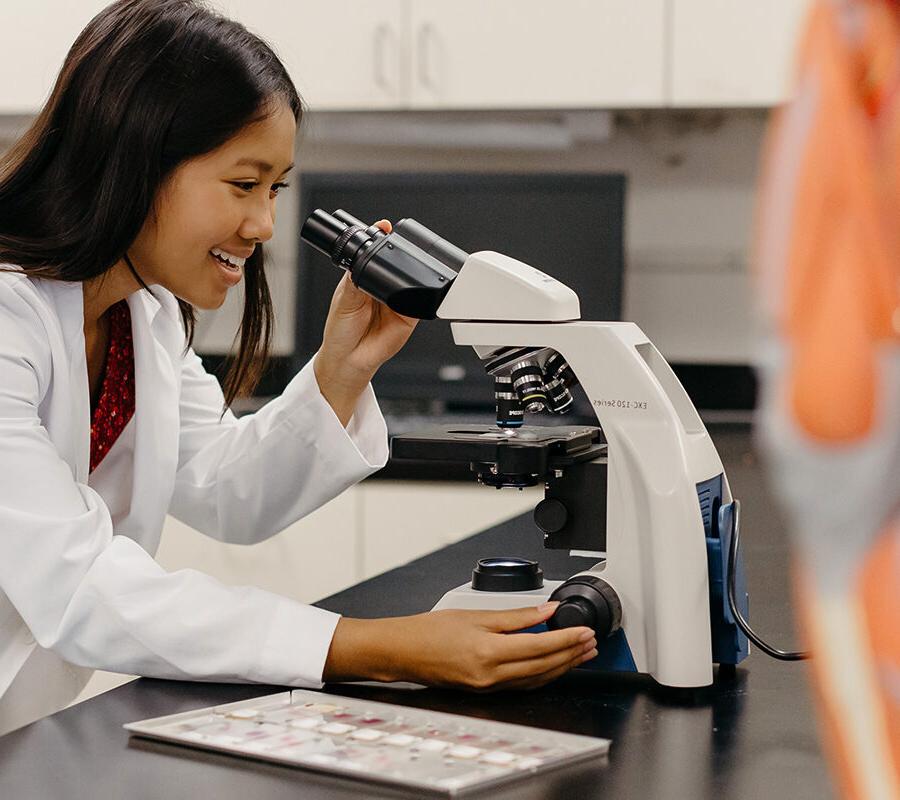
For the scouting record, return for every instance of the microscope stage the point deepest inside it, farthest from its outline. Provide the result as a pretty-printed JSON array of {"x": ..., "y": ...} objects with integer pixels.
[{"x": 530, "y": 450}]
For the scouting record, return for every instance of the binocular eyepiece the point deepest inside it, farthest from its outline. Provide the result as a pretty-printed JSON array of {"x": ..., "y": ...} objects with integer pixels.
[{"x": 410, "y": 269}]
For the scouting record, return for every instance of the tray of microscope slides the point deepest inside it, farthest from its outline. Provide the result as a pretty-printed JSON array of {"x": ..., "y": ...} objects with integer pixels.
[{"x": 431, "y": 751}]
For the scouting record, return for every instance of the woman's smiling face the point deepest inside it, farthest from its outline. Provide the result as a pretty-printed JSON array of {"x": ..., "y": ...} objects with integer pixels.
[{"x": 222, "y": 203}]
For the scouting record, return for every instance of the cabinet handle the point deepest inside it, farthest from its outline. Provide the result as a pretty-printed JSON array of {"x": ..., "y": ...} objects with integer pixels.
[
  {"x": 382, "y": 43},
  {"x": 426, "y": 37}
]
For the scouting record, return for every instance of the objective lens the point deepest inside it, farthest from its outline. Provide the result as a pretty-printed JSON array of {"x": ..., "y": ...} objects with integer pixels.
[
  {"x": 510, "y": 413},
  {"x": 557, "y": 367},
  {"x": 528, "y": 381},
  {"x": 559, "y": 398}
]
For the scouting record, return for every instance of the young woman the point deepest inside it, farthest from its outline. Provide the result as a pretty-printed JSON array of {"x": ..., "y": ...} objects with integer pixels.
[{"x": 146, "y": 188}]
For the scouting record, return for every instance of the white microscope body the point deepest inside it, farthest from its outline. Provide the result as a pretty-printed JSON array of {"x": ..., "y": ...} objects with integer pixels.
[{"x": 659, "y": 453}]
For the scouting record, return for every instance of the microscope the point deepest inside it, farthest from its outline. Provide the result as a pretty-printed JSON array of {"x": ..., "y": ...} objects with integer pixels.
[{"x": 644, "y": 492}]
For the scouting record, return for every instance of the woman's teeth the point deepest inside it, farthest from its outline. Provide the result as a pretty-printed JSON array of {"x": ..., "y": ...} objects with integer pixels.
[{"x": 229, "y": 261}]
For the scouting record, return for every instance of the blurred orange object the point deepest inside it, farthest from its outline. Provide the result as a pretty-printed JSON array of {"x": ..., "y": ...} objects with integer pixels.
[{"x": 828, "y": 274}]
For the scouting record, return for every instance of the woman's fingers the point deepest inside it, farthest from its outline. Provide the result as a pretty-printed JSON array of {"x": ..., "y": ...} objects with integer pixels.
[
  {"x": 537, "y": 681},
  {"x": 385, "y": 225},
  {"x": 524, "y": 646},
  {"x": 542, "y": 679},
  {"x": 516, "y": 619},
  {"x": 564, "y": 659}
]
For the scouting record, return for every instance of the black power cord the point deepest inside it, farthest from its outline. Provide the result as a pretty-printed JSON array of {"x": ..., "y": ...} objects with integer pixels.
[{"x": 774, "y": 652}]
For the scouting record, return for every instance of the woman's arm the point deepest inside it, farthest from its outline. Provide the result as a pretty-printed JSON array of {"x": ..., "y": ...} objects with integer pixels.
[
  {"x": 99, "y": 599},
  {"x": 242, "y": 480}
]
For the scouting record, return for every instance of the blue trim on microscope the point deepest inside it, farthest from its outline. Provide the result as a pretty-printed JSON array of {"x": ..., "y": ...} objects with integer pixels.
[
  {"x": 729, "y": 644},
  {"x": 613, "y": 653}
]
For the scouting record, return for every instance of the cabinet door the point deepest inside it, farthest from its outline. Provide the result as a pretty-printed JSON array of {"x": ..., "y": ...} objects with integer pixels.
[
  {"x": 309, "y": 560},
  {"x": 404, "y": 520},
  {"x": 341, "y": 54},
  {"x": 534, "y": 54},
  {"x": 38, "y": 35},
  {"x": 733, "y": 53}
]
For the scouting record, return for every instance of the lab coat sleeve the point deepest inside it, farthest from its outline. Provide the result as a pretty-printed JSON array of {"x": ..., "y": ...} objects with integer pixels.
[
  {"x": 242, "y": 480},
  {"x": 99, "y": 600}
]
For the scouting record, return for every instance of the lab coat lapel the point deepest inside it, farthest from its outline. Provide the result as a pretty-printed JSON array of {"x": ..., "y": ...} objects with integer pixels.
[
  {"x": 68, "y": 297},
  {"x": 157, "y": 342}
]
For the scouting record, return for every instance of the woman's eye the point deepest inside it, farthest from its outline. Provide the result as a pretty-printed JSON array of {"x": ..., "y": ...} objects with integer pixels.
[{"x": 248, "y": 186}]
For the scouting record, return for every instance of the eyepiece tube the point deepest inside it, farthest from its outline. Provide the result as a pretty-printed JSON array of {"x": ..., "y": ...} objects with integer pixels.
[
  {"x": 348, "y": 219},
  {"x": 389, "y": 267},
  {"x": 448, "y": 254},
  {"x": 322, "y": 230}
]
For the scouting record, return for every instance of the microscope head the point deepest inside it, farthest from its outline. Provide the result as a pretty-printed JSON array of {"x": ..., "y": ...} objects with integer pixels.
[{"x": 419, "y": 274}]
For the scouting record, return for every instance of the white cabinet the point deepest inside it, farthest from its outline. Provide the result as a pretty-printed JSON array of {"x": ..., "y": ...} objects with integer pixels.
[
  {"x": 36, "y": 37},
  {"x": 341, "y": 54},
  {"x": 534, "y": 54},
  {"x": 515, "y": 54},
  {"x": 354, "y": 54},
  {"x": 733, "y": 53},
  {"x": 309, "y": 560},
  {"x": 403, "y": 520},
  {"x": 471, "y": 54},
  {"x": 369, "y": 529}
]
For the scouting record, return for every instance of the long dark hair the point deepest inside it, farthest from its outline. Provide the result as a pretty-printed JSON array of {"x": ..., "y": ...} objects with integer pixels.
[{"x": 148, "y": 85}]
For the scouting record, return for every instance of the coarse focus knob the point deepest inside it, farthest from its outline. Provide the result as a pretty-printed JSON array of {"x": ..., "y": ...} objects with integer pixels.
[
  {"x": 587, "y": 600},
  {"x": 551, "y": 515}
]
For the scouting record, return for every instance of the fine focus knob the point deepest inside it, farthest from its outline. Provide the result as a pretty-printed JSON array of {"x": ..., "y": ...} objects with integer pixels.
[
  {"x": 550, "y": 515},
  {"x": 587, "y": 600},
  {"x": 575, "y": 612}
]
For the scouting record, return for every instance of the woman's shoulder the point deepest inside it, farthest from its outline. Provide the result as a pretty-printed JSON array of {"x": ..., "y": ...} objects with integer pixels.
[
  {"x": 26, "y": 361},
  {"x": 25, "y": 311},
  {"x": 20, "y": 293},
  {"x": 18, "y": 289}
]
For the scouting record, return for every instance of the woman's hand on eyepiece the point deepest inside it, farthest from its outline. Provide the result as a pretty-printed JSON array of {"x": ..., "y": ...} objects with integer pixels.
[{"x": 360, "y": 335}]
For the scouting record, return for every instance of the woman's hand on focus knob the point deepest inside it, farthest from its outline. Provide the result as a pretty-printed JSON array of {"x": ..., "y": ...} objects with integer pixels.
[
  {"x": 477, "y": 650},
  {"x": 360, "y": 335}
]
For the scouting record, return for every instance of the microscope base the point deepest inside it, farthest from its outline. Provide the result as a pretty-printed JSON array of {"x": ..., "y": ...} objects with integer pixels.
[{"x": 466, "y": 597}]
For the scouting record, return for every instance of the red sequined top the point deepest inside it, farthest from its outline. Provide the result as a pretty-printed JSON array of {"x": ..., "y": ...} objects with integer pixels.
[{"x": 115, "y": 406}]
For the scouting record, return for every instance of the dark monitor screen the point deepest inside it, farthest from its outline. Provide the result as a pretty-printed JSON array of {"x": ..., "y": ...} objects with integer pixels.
[{"x": 569, "y": 226}]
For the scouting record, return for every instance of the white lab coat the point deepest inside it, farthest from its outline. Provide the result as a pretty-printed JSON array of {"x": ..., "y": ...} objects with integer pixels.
[{"x": 79, "y": 589}]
